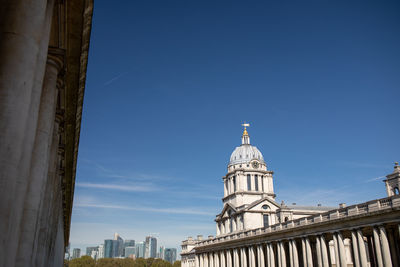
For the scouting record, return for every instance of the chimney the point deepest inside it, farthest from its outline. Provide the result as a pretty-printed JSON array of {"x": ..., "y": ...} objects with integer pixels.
[
  {"x": 199, "y": 237},
  {"x": 210, "y": 237},
  {"x": 190, "y": 238},
  {"x": 342, "y": 205}
]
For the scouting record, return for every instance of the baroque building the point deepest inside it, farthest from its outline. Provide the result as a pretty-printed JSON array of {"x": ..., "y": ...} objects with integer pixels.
[
  {"x": 253, "y": 230},
  {"x": 43, "y": 59}
]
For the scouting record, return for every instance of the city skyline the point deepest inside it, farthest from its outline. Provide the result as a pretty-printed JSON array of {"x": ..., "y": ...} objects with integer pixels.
[{"x": 167, "y": 92}]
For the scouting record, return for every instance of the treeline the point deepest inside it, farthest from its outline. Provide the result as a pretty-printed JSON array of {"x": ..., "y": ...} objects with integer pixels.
[{"x": 87, "y": 261}]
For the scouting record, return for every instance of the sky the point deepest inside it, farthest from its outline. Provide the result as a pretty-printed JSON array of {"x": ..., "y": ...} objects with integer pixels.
[{"x": 169, "y": 84}]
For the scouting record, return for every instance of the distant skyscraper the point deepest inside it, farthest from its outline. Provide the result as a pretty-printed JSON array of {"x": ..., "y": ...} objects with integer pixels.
[
  {"x": 151, "y": 247},
  {"x": 90, "y": 249},
  {"x": 108, "y": 248},
  {"x": 162, "y": 252},
  {"x": 130, "y": 252},
  {"x": 128, "y": 243},
  {"x": 140, "y": 248},
  {"x": 67, "y": 252},
  {"x": 170, "y": 255},
  {"x": 76, "y": 253},
  {"x": 118, "y": 246},
  {"x": 100, "y": 252}
]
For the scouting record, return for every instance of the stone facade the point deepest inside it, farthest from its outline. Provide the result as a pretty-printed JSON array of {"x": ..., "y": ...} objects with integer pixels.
[
  {"x": 253, "y": 230},
  {"x": 43, "y": 57}
]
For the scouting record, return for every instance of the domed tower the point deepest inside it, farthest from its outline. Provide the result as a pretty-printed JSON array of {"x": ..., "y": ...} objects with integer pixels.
[{"x": 249, "y": 198}]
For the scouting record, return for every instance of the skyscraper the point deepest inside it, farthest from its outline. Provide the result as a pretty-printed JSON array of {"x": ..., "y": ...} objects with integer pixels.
[
  {"x": 128, "y": 243},
  {"x": 118, "y": 246},
  {"x": 108, "y": 248},
  {"x": 100, "y": 253},
  {"x": 90, "y": 249},
  {"x": 140, "y": 248},
  {"x": 151, "y": 247},
  {"x": 76, "y": 253},
  {"x": 162, "y": 252},
  {"x": 130, "y": 252},
  {"x": 170, "y": 255}
]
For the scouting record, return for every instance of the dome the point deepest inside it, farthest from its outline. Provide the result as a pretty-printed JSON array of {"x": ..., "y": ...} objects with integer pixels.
[{"x": 244, "y": 154}]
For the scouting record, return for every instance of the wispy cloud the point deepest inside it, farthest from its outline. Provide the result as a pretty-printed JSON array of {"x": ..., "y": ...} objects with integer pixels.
[
  {"x": 115, "y": 78},
  {"x": 375, "y": 179},
  {"x": 186, "y": 211},
  {"x": 353, "y": 164},
  {"x": 129, "y": 188}
]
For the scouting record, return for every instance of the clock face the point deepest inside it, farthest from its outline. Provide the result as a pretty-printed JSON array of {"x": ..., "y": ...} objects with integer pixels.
[{"x": 255, "y": 164}]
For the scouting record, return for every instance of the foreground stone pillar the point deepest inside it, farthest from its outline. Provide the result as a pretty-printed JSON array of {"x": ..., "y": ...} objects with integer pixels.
[
  {"x": 228, "y": 258},
  {"x": 260, "y": 255},
  {"x": 387, "y": 261},
  {"x": 361, "y": 248},
  {"x": 216, "y": 259},
  {"x": 271, "y": 249},
  {"x": 304, "y": 250},
  {"x": 24, "y": 35},
  {"x": 378, "y": 250},
  {"x": 252, "y": 259},
  {"x": 222, "y": 258},
  {"x": 336, "y": 246},
  {"x": 318, "y": 248},
  {"x": 235, "y": 257},
  {"x": 197, "y": 261},
  {"x": 244, "y": 257}
]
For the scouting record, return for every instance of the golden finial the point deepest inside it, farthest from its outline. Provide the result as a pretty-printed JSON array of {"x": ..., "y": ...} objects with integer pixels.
[{"x": 245, "y": 130}]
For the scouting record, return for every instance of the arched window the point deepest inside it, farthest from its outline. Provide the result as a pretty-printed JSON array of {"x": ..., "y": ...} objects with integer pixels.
[
  {"x": 396, "y": 191},
  {"x": 265, "y": 207},
  {"x": 286, "y": 219},
  {"x": 248, "y": 182},
  {"x": 266, "y": 220},
  {"x": 234, "y": 183},
  {"x": 256, "y": 181}
]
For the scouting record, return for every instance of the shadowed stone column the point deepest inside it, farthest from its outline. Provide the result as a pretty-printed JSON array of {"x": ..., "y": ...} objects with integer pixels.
[
  {"x": 228, "y": 258},
  {"x": 354, "y": 244},
  {"x": 309, "y": 254},
  {"x": 336, "y": 246},
  {"x": 378, "y": 251},
  {"x": 222, "y": 257},
  {"x": 244, "y": 257},
  {"x": 318, "y": 249},
  {"x": 283, "y": 254},
  {"x": 279, "y": 256},
  {"x": 295, "y": 254},
  {"x": 211, "y": 256},
  {"x": 24, "y": 35},
  {"x": 197, "y": 261},
  {"x": 304, "y": 251},
  {"x": 361, "y": 248},
  {"x": 324, "y": 251},
  {"x": 387, "y": 261},
  {"x": 236, "y": 257},
  {"x": 251, "y": 257},
  {"x": 271, "y": 249},
  {"x": 342, "y": 252},
  {"x": 261, "y": 256},
  {"x": 291, "y": 253},
  {"x": 216, "y": 259}
]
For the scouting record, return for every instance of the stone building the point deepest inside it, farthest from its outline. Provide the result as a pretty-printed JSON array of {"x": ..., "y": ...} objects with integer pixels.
[
  {"x": 43, "y": 57},
  {"x": 253, "y": 230}
]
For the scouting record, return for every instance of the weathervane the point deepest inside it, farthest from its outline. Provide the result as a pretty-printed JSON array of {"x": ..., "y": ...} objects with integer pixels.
[{"x": 246, "y": 125}]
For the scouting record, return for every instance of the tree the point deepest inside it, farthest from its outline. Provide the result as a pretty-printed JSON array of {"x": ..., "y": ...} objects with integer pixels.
[
  {"x": 160, "y": 263},
  {"x": 177, "y": 264},
  {"x": 84, "y": 261}
]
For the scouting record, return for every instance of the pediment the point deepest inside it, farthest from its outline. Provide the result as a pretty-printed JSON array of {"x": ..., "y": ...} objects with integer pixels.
[
  {"x": 263, "y": 204},
  {"x": 226, "y": 211}
]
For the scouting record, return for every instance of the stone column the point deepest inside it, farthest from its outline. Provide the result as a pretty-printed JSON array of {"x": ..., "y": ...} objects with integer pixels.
[
  {"x": 211, "y": 256},
  {"x": 279, "y": 254},
  {"x": 318, "y": 249},
  {"x": 354, "y": 244},
  {"x": 342, "y": 252},
  {"x": 387, "y": 261},
  {"x": 295, "y": 254},
  {"x": 222, "y": 258},
  {"x": 336, "y": 246},
  {"x": 228, "y": 258},
  {"x": 216, "y": 259},
  {"x": 271, "y": 249},
  {"x": 235, "y": 258},
  {"x": 324, "y": 250},
  {"x": 197, "y": 261},
  {"x": 24, "y": 35},
  {"x": 40, "y": 163},
  {"x": 260, "y": 255},
  {"x": 251, "y": 257},
  {"x": 304, "y": 250},
  {"x": 206, "y": 260},
  {"x": 244, "y": 257},
  {"x": 393, "y": 249},
  {"x": 361, "y": 248},
  {"x": 309, "y": 254},
  {"x": 225, "y": 187},
  {"x": 290, "y": 253},
  {"x": 378, "y": 251}
]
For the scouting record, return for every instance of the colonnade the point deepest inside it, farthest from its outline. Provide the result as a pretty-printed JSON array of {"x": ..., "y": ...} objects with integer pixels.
[
  {"x": 376, "y": 245},
  {"x": 255, "y": 182}
]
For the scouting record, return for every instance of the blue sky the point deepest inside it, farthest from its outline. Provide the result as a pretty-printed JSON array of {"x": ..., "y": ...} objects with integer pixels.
[{"x": 170, "y": 82}]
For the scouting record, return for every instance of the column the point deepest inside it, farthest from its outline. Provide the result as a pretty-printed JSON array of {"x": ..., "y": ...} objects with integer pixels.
[
  {"x": 244, "y": 257},
  {"x": 228, "y": 258},
  {"x": 211, "y": 257},
  {"x": 206, "y": 260},
  {"x": 342, "y": 252},
  {"x": 197, "y": 261},
  {"x": 260, "y": 255},
  {"x": 377, "y": 244},
  {"x": 222, "y": 258},
  {"x": 201, "y": 260},
  {"x": 354, "y": 244},
  {"x": 304, "y": 250},
  {"x": 361, "y": 248},
  {"x": 218, "y": 231},
  {"x": 290, "y": 253},
  {"x": 324, "y": 251},
  {"x": 236, "y": 257},
  {"x": 272, "y": 258},
  {"x": 225, "y": 187},
  {"x": 234, "y": 226},
  {"x": 279, "y": 256},
  {"x": 387, "y": 261},
  {"x": 216, "y": 259},
  {"x": 336, "y": 245},
  {"x": 251, "y": 257},
  {"x": 295, "y": 254},
  {"x": 318, "y": 249},
  {"x": 309, "y": 254}
]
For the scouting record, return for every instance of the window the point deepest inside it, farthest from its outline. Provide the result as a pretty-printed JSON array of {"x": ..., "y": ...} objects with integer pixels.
[
  {"x": 256, "y": 181},
  {"x": 286, "y": 219},
  {"x": 248, "y": 182},
  {"x": 234, "y": 183},
  {"x": 262, "y": 183},
  {"x": 266, "y": 220},
  {"x": 265, "y": 207},
  {"x": 396, "y": 191}
]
